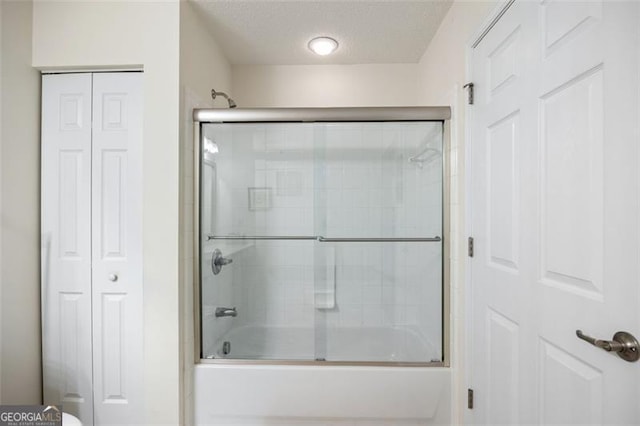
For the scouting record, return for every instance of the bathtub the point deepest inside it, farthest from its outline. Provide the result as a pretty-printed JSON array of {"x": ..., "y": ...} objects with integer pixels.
[
  {"x": 238, "y": 391},
  {"x": 367, "y": 344}
]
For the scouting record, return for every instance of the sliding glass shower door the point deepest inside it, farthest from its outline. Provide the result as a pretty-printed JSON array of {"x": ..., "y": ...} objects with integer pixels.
[
  {"x": 379, "y": 209},
  {"x": 322, "y": 241}
]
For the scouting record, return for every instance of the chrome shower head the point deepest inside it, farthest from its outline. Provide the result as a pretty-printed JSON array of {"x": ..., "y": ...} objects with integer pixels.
[{"x": 230, "y": 101}]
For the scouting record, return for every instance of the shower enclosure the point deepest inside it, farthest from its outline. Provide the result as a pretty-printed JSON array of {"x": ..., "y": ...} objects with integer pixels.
[{"x": 321, "y": 235}]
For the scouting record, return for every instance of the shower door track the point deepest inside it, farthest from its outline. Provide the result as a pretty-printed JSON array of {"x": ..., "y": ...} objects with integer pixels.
[{"x": 326, "y": 239}]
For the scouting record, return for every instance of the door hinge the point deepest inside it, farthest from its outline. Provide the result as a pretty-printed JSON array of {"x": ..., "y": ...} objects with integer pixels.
[
  {"x": 470, "y": 247},
  {"x": 470, "y": 399},
  {"x": 469, "y": 87}
]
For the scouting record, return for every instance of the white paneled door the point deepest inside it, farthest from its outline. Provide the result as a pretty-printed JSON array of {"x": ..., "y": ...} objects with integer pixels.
[
  {"x": 92, "y": 245},
  {"x": 555, "y": 214},
  {"x": 66, "y": 242},
  {"x": 117, "y": 247}
]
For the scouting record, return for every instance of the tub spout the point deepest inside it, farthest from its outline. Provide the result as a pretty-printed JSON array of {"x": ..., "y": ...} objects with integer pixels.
[{"x": 226, "y": 312}]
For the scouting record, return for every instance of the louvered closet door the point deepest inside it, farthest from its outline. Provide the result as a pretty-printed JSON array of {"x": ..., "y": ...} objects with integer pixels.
[
  {"x": 117, "y": 248},
  {"x": 66, "y": 243}
]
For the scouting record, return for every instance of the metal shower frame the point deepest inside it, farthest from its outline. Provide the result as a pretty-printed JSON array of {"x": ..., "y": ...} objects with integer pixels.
[{"x": 311, "y": 115}]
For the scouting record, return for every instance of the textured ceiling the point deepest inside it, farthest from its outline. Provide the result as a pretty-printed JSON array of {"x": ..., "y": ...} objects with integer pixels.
[{"x": 271, "y": 32}]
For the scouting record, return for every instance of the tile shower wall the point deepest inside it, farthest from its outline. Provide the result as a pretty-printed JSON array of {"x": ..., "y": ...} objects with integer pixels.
[{"x": 335, "y": 180}]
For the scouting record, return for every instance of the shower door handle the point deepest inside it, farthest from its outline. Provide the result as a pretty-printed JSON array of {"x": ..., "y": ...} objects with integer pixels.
[
  {"x": 218, "y": 261},
  {"x": 623, "y": 343}
]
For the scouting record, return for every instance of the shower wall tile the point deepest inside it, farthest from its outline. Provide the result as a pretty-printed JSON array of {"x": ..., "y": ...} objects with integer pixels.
[
  {"x": 372, "y": 316},
  {"x": 372, "y": 295},
  {"x": 350, "y": 315}
]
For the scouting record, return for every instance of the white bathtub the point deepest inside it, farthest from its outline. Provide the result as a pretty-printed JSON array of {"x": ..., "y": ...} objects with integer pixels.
[{"x": 252, "y": 394}]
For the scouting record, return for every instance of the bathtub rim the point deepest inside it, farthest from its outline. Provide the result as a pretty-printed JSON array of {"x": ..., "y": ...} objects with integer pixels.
[
  {"x": 299, "y": 363},
  {"x": 378, "y": 114}
]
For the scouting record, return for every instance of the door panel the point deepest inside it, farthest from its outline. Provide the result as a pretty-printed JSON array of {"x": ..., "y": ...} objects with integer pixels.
[
  {"x": 555, "y": 214},
  {"x": 571, "y": 186},
  {"x": 588, "y": 206},
  {"x": 503, "y": 193},
  {"x": 117, "y": 247},
  {"x": 66, "y": 249},
  {"x": 571, "y": 391},
  {"x": 503, "y": 374},
  {"x": 499, "y": 209}
]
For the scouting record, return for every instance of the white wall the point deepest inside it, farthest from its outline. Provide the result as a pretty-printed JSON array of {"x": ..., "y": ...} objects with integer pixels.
[
  {"x": 325, "y": 85},
  {"x": 20, "y": 373},
  {"x": 442, "y": 75},
  {"x": 202, "y": 68},
  {"x": 95, "y": 35}
]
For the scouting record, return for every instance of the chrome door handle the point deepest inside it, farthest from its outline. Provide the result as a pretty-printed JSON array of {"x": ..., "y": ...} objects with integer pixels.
[
  {"x": 623, "y": 343},
  {"x": 217, "y": 261}
]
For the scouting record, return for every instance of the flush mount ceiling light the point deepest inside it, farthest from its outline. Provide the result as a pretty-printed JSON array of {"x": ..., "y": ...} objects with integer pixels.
[{"x": 323, "y": 45}]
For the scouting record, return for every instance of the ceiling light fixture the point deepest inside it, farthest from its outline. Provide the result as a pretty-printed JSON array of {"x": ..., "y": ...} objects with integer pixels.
[{"x": 323, "y": 45}]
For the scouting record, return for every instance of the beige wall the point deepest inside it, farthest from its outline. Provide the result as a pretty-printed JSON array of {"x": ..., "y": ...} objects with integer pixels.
[
  {"x": 105, "y": 34},
  {"x": 325, "y": 85},
  {"x": 20, "y": 371},
  {"x": 443, "y": 64},
  {"x": 202, "y": 67},
  {"x": 443, "y": 74}
]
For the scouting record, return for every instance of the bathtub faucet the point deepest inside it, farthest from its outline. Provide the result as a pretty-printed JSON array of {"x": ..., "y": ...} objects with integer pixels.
[{"x": 226, "y": 312}]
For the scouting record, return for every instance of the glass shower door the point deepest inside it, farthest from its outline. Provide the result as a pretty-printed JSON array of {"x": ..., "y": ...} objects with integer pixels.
[
  {"x": 378, "y": 213},
  {"x": 257, "y": 217},
  {"x": 322, "y": 241}
]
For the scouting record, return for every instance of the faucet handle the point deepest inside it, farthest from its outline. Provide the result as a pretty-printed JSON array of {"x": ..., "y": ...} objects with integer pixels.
[
  {"x": 226, "y": 312},
  {"x": 221, "y": 261},
  {"x": 218, "y": 261}
]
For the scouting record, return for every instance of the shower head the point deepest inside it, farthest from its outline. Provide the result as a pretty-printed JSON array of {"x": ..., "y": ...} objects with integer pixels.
[{"x": 230, "y": 101}]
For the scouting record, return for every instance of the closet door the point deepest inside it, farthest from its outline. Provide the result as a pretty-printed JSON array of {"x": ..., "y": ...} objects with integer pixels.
[
  {"x": 66, "y": 243},
  {"x": 92, "y": 245},
  {"x": 117, "y": 248}
]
